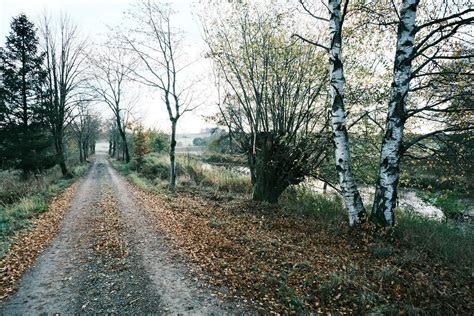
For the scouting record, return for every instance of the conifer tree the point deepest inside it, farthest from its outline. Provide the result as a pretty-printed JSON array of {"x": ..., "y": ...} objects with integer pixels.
[{"x": 25, "y": 142}]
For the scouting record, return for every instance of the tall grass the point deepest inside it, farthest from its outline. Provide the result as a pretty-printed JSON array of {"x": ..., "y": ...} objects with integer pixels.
[
  {"x": 22, "y": 199},
  {"x": 154, "y": 173},
  {"x": 327, "y": 207},
  {"x": 450, "y": 243},
  {"x": 14, "y": 186}
]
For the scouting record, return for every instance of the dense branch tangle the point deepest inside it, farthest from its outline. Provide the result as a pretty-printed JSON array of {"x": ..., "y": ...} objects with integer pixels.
[
  {"x": 273, "y": 90},
  {"x": 85, "y": 129}
]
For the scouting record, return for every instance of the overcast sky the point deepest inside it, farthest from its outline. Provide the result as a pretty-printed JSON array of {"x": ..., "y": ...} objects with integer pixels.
[{"x": 93, "y": 17}]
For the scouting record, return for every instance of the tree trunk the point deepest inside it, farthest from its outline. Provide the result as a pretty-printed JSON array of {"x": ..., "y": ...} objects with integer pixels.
[
  {"x": 23, "y": 90},
  {"x": 268, "y": 186},
  {"x": 252, "y": 166},
  {"x": 350, "y": 193},
  {"x": 60, "y": 154},
  {"x": 123, "y": 135},
  {"x": 81, "y": 156},
  {"x": 173, "y": 156},
  {"x": 114, "y": 148},
  {"x": 390, "y": 155},
  {"x": 267, "y": 182},
  {"x": 85, "y": 149}
]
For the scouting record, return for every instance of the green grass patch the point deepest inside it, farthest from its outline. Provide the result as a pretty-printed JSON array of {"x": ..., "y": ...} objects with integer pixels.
[
  {"x": 381, "y": 251},
  {"x": 327, "y": 207},
  {"x": 452, "y": 244},
  {"x": 33, "y": 197},
  {"x": 449, "y": 202}
]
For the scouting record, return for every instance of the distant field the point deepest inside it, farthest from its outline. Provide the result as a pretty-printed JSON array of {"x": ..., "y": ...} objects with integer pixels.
[{"x": 186, "y": 140}]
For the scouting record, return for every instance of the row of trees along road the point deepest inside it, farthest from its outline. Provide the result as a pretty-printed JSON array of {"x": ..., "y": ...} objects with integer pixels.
[
  {"x": 40, "y": 93},
  {"x": 275, "y": 91}
]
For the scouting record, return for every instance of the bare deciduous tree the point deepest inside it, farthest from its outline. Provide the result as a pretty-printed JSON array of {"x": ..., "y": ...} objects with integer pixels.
[
  {"x": 110, "y": 71},
  {"x": 157, "y": 46},
  {"x": 85, "y": 129},
  {"x": 65, "y": 54}
]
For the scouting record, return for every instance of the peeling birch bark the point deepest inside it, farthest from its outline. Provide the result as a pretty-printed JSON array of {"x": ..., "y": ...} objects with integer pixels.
[
  {"x": 390, "y": 155},
  {"x": 350, "y": 192}
]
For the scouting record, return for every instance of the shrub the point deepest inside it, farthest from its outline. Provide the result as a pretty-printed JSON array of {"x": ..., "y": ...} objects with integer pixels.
[
  {"x": 155, "y": 167},
  {"x": 328, "y": 207},
  {"x": 158, "y": 142}
]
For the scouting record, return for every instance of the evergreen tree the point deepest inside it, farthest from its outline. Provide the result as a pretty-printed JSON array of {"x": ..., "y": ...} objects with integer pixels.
[{"x": 25, "y": 144}]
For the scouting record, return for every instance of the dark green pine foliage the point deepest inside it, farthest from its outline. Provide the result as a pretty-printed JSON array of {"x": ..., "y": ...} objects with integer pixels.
[{"x": 25, "y": 142}]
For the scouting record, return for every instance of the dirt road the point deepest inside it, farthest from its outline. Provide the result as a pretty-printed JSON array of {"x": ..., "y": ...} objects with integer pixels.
[{"x": 107, "y": 258}]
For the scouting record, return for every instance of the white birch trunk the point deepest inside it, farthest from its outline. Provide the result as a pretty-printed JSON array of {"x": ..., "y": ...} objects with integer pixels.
[
  {"x": 390, "y": 155},
  {"x": 350, "y": 193}
]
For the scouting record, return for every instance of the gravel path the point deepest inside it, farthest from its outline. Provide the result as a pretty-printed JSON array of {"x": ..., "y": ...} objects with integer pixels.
[{"x": 107, "y": 258}]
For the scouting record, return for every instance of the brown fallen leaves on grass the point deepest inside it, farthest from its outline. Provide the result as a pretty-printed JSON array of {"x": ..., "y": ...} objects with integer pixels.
[
  {"x": 27, "y": 244},
  {"x": 286, "y": 263}
]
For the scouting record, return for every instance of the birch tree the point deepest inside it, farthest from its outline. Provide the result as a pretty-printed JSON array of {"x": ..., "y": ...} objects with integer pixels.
[
  {"x": 349, "y": 190},
  {"x": 391, "y": 151},
  {"x": 437, "y": 34},
  {"x": 419, "y": 44}
]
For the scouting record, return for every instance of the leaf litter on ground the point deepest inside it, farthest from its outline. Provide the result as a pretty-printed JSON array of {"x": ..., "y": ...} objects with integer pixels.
[
  {"x": 28, "y": 243},
  {"x": 283, "y": 262}
]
